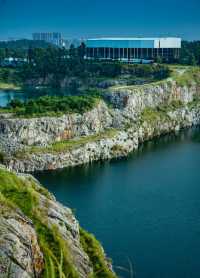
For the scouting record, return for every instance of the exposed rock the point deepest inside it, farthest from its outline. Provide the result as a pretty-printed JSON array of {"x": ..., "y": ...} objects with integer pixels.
[
  {"x": 135, "y": 99},
  {"x": 26, "y": 225},
  {"x": 15, "y": 133},
  {"x": 120, "y": 145},
  {"x": 20, "y": 254},
  {"x": 125, "y": 116},
  {"x": 137, "y": 115}
]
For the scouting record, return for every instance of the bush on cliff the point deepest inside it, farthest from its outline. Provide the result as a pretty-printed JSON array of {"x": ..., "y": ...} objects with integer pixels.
[
  {"x": 53, "y": 105},
  {"x": 20, "y": 193},
  {"x": 95, "y": 252},
  {"x": 2, "y": 157}
]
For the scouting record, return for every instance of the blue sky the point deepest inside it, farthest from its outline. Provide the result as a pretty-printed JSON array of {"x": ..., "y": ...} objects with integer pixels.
[{"x": 89, "y": 18}]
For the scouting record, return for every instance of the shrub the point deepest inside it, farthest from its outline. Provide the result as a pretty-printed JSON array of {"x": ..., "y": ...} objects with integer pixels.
[
  {"x": 57, "y": 257},
  {"x": 52, "y": 105},
  {"x": 2, "y": 157},
  {"x": 95, "y": 253}
]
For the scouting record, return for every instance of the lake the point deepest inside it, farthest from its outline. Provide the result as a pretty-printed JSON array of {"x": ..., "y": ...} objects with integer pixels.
[
  {"x": 145, "y": 209},
  {"x": 7, "y": 96}
]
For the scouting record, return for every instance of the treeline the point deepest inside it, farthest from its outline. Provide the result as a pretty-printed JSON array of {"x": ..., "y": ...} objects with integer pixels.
[
  {"x": 52, "y": 105},
  {"x": 19, "y": 48},
  {"x": 190, "y": 53},
  {"x": 9, "y": 76},
  {"x": 53, "y": 65}
]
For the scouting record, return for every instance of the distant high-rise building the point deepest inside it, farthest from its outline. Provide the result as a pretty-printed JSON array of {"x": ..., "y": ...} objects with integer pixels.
[{"x": 52, "y": 37}]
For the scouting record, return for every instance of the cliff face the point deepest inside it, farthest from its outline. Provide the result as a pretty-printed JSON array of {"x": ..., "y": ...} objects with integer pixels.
[
  {"x": 41, "y": 238},
  {"x": 17, "y": 133},
  {"x": 134, "y": 114},
  {"x": 20, "y": 254},
  {"x": 38, "y": 236},
  {"x": 121, "y": 144}
]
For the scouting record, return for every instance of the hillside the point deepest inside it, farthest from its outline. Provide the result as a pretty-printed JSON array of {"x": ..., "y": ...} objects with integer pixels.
[
  {"x": 111, "y": 127},
  {"x": 41, "y": 238}
]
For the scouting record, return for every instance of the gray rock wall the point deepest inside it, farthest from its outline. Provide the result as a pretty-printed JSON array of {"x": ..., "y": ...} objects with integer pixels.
[
  {"x": 128, "y": 102},
  {"x": 21, "y": 251},
  {"x": 16, "y": 133},
  {"x": 120, "y": 145},
  {"x": 20, "y": 254}
]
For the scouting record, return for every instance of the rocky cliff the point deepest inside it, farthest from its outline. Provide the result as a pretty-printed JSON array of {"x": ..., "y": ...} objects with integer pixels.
[
  {"x": 41, "y": 238},
  {"x": 125, "y": 117}
]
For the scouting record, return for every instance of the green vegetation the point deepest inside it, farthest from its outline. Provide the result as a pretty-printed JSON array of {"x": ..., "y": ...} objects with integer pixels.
[
  {"x": 173, "y": 105},
  {"x": 21, "y": 193},
  {"x": 51, "y": 66},
  {"x": 94, "y": 250},
  {"x": 17, "y": 192},
  {"x": 9, "y": 87},
  {"x": 151, "y": 115},
  {"x": 2, "y": 157},
  {"x": 186, "y": 76},
  {"x": 190, "y": 53},
  {"x": 159, "y": 113},
  {"x": 9, "y": 79},
  {"x": 52, "y": 105},
  {"x": 19, "y": 48},
  {"x": 153, "y": 71},
  {"x": 63, "y": 146},
  {"x": 58, "y": 67},
  {"x": 183, "y": 75}
]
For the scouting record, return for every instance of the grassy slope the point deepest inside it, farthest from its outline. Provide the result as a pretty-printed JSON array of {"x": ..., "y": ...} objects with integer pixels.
[
  {"x": 16, "y": 192},
  {"x": 67, "y": 145},
  {"x": 9, "y": 86},
  {"x": 183, "y": 75}
]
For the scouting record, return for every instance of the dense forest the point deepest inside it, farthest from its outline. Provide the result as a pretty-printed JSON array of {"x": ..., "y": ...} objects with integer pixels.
[
  {"x": 190, "y": 51},
  {"x": 52, "y": 67},
  {"x": 56, "y": 67},
  {"x": 19, "y": 48}
]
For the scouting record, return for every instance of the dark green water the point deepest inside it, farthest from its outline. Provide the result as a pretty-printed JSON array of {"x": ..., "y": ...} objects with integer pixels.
[
  {"x": 145, "y": 209},
  {"x": 7, "y": 96}
]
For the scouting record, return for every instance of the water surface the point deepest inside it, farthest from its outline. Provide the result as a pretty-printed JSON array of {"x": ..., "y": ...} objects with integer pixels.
[
  {"x": 144, "y": 209},
  {"x": 7, "y": 96}
]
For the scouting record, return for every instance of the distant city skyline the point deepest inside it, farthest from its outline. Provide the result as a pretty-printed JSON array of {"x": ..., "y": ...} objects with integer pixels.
[{"x": 92, "y": 18}]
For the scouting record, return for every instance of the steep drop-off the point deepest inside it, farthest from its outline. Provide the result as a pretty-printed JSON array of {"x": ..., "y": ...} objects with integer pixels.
[
  {"x": 125, "y": 117},
  {"x": 41, "y": 238}
]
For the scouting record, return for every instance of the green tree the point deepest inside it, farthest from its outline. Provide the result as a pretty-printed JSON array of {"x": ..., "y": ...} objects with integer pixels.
[
  {"x": 2, "y": 54},
  {"x": 159, "y": 60},
  {"x": 72, "y": 51},
  {"x": 192, "y": 60},
  {"x": 82, "y": 50}
]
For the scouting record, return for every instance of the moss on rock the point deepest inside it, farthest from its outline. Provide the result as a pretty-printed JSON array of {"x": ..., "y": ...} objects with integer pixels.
[
  {"x": 24, "y": 193},
  {"x": 101, "y": 267}
]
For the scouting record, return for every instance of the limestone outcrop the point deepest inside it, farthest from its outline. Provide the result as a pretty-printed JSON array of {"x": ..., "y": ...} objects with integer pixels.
[
  {"x": 136, "y": 113},
  {"x": 41, "y": 237}
]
